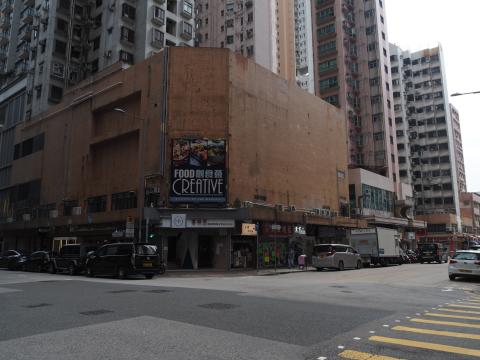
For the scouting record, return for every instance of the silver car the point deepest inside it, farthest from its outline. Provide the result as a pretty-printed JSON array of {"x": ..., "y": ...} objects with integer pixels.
[
  {"x": 335, "y": 256},
  {"x": 464, "y": 263}
]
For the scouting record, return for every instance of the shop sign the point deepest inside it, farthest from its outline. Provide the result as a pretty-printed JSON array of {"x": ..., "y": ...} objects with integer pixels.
[
  {"x": 249, "y": 230},
  {"x": 130, "y": 227},
  {"x": 362, "y": 231},
  {"x": 198, "y": 171},
  {"x": 300, "y": 230},
  {"x": 282, "y": 229},
  {"x": 179, "y": 221}
]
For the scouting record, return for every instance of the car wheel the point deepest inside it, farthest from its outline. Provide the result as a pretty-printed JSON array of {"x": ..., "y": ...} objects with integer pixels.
[
  {"x": 452, "y": 277},
  {"x": 51, "y": 269},
  {"x": 71, "y": 270},
  {"x": 121, "y": 273},
  {"x": 341, "y": 267},
  {"x": 89, "y": 271},
  {"x": 319, "y": 269},
  {"x": 359, "y": 264},
  {"x": 149, "y": 276},
  {"x": 162, "y": 269}
]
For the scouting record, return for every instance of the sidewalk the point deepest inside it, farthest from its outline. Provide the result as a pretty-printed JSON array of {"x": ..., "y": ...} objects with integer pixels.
[{"x": 233, "y": 272}]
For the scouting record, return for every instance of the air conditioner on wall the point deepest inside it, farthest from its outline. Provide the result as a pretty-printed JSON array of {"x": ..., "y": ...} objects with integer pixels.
[
  {"x": 26, "y": 217},
  {"x": 247, "y": 204},
  {"x": 317, "y": 211},
  {"x": 77, "y": 210},
  {"x": 53, "y": 214}
]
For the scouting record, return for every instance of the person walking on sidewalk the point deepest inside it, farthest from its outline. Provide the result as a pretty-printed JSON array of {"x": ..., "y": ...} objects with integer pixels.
[{"x": 291, "y": 258}]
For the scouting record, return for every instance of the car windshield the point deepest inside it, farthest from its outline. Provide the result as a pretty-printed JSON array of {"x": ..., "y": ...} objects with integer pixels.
[
  {"x": 467, "y": 256},
  {"x": 427, "y": 247},
  {"x": 145, "y": 249}
]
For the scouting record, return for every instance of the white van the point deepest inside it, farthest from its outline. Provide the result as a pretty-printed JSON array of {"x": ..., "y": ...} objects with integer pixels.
[{"x": 335, "y": 256}]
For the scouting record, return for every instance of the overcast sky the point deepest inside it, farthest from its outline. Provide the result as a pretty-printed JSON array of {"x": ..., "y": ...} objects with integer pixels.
[{"x": 419, "y": 24}]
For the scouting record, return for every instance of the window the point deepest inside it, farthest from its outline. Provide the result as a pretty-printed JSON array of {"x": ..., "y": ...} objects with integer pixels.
[
  {"x": 159, "y": 15},
  {"x": 127, "y": 35},
  {"x": 125, "y": 200},
  {"x": 400, "y": 147},
  {"x": 327, "y": 65},
  {"x": 68, "y": 205},
  {"x": 128, "y": 11},
  {"x": 332, "y": 99},
  {"x": 372, "y": 46},
  {"x": 60, "y": 47},
  {"x": 187, "y": 9},
  {"x": 328, "y": 83},
  {"x": 370, "y": 30},
  {"x": 56, "y": 93},
  {"x": 126, "y": 57},
  {"x": 326, "y": 30},
  {"x": 97, "y": 204},
  {"x": 372, "y": 64}
]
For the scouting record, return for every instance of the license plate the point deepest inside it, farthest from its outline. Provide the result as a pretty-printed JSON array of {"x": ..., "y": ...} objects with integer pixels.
[
  {"x": 465, "y": 271},
  {"x": 147, "y": 264}
]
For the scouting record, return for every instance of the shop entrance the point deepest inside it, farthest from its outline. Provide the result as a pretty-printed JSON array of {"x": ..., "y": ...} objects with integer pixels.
[{"x": 205, "y": 251}]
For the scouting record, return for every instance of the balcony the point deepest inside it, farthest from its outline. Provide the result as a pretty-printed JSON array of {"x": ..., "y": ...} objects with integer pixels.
[
  {"x": 27, "y": 16},
  {"x": 5, "y": 23},
  {"x": 6, "y": 7},
  {"x": 4, "y": 38},
  {"x": 24, "y": 52},
  {"x": 26, "y": 33}
]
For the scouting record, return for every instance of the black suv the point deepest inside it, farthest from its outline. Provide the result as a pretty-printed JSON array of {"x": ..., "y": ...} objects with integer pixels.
[
  {"x": 430, "y": 252},
  {"x": 71, "y": 259},
  {"x": 123, "y": 259},
  {"x": 12, "y": 259}
]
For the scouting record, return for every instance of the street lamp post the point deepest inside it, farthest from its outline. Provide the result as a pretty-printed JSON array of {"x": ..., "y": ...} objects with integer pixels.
[{"x": 467, "y": 93}]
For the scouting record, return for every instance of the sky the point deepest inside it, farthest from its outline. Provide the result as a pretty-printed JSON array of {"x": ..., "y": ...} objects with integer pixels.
[{"x": 418, "y": 24}]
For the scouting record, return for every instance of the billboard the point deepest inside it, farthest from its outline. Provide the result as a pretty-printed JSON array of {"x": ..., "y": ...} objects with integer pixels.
[{"x": 198, "y": 171}]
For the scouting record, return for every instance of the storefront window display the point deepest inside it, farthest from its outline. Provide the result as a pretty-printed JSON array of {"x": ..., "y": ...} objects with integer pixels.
[{"x": 266, "y": 252}]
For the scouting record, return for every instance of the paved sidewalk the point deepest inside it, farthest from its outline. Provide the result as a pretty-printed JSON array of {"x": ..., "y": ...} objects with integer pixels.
[{"x": 233, "y": 272}]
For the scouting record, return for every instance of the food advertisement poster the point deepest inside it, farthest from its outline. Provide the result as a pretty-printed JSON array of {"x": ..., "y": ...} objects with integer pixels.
[{"x": 198, "y": 171}]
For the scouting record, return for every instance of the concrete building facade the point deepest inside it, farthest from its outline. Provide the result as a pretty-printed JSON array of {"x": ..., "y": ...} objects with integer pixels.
[
  {"x": 352, "y": 71},
  {"x": 458, "y": 149},
  {"x": 190, "y": 140},
  {"x": 470, "y": 210},
  {"x": 261, "y": 30},
  {"x": 304, "y": 45}
]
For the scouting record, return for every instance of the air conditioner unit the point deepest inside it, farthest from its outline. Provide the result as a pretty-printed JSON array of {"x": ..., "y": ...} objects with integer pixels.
[
  {"x": 53, "y": 214},
  {"x": 326, "y": 212},
  {"x": 108, "y": 54},
  {"x": 279, "y": 207},
  {"x": 26, "y": 217},
  {"x": 291, "y": 208},
  {"x": 77, "y": 211},
  {"x": 247, "y": 204}
]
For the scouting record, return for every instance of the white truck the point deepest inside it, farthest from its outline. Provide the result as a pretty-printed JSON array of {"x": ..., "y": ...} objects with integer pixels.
[{"x": 377, "y": 246}]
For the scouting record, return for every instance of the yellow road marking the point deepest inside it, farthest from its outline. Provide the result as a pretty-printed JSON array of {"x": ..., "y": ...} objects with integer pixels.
[
  {"x": 448, "y": 323},
  {"x": 436, "y": 332},
  {"x": 460, "y": 311},
  {"x": 468, "y": 303},
  {"x": 454, "y": 316},
  {"x": 465, "y": 306},
  {"x": 426, "y": 345},
  {"x": 473, "y": 301},
  {"x": 357, "y": 355}
]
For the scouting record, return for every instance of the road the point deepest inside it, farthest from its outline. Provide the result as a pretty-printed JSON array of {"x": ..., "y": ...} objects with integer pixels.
[{"x": 403, "y": 312}]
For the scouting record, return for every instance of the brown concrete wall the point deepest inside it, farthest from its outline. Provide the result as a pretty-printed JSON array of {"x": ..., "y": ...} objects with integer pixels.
[{"x": 284, "y": 143}]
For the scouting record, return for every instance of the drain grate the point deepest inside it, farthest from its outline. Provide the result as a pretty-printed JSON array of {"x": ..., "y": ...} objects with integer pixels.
[
  {"x": 121, "y": 291},
  {"x": 33, "y": 306},
  {"x": 96, "y": 312},
  {"x": 158, "y": 291},
  {"x": 218, "y": 306}
]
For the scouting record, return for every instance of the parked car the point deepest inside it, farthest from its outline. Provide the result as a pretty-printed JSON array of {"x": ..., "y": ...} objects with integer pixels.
[
  {"x": 474, "y": 247},
  {"x": 38, "y": 261},
  {"x": 335, "y": 256},
  {"x": 71, "y": 259},
  {"x": 464, "y": 263},
  {"x": 124, "y": 259},
  {"x": 430, "y": 252},
  {"x": 12, "y": 259}
]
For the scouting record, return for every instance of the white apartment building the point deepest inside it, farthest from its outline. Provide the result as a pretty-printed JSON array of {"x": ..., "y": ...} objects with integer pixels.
[
  {"x": 304, "y": 45},
  {"x": 425, "y": 132},
  {"x": 258, "y": 29},
  {"x": 57, "y": 43}
]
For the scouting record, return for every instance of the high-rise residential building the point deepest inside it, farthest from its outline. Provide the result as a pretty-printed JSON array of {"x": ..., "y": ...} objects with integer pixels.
[
  {"x": 304, "y": 45},
  {"x": 428, "y": 136},
  {"x": 258, "y": 29},
  {"x": 352, "y": 71},
  {"x": 458, "y": 149},
  {"x": 47, "y": 46},
  {"x": 55, "y": 44}
]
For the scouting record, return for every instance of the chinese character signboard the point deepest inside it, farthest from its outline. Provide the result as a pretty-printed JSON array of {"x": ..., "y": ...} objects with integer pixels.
[{"x": 198, "y": 171}]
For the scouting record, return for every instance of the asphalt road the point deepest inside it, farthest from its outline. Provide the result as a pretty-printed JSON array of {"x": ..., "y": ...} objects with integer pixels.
[{"x": 405, "y": 312}]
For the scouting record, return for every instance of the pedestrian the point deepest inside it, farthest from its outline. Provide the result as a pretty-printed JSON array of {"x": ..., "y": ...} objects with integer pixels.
[{"x": 291, "y": 257}]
